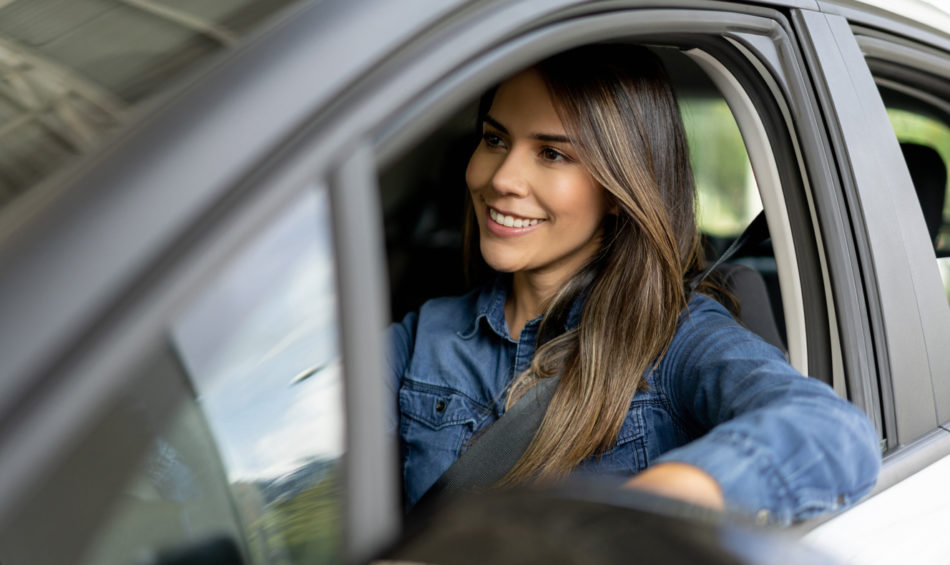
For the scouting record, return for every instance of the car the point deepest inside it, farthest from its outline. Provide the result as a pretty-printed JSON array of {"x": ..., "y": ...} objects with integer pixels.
[{"x": 211, "y": 211}]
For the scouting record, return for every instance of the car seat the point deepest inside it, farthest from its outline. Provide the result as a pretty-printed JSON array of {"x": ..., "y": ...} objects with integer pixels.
[{"x": 755, "y": 305}]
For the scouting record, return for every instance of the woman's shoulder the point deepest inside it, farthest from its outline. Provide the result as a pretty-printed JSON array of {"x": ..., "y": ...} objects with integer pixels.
[
  {"x": 426, "y": 327},
  {"x": 703, "y": 309},
  {"x": 451, "y": 309},
  {"x": 446, "y": 313},
  {"x": 707, "y": 325}
]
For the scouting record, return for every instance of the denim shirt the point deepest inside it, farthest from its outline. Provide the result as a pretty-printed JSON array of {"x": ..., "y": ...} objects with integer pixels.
[{"x": 782, "y": 447}]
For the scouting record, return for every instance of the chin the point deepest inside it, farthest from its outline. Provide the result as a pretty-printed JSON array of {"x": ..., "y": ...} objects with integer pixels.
[
  {"x": 499, "y": 263},
  {"x": 501, "y": 266}
]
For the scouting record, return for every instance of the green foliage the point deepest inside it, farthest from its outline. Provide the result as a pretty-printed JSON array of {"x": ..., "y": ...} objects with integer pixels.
[
  {"x": 727, "y": 197},
  {"x": 303, "y": 529}
]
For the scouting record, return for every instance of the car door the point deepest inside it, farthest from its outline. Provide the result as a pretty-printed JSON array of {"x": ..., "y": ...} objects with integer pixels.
[
  {"x": 891, "y": 108},
  {"x": 122, "y": 265}
]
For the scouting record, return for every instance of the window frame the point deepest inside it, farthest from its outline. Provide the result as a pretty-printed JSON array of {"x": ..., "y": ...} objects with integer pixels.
[
  {"x": 777, "y": 71},
  {"x": 916, "y": 395},
  {"x": 904, "y": 327}
]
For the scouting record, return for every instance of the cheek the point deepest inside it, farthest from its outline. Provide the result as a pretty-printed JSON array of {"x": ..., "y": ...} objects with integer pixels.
[
  {"x": 581, "y": 196},
  {"x": 593, "y": 204},
  {"x": 478, "y": 171}
]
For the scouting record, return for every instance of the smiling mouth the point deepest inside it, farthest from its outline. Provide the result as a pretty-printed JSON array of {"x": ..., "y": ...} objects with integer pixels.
[{"x": 511, "y": 221}]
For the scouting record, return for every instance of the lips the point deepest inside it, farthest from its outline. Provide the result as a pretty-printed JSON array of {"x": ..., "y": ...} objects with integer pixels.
[
  {"x": 505, "y": 225},
  {"x": 511, "y": 221}
]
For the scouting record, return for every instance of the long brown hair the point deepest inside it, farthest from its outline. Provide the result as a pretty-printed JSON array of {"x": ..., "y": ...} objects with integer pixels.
[{"x": 619, "y": 110}]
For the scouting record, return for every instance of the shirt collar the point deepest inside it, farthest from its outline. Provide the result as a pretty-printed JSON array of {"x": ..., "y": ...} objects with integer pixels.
[{"x": 490, "y": 306}]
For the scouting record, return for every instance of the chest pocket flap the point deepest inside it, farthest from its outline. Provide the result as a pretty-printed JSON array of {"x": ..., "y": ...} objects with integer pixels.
[{"x": 439, "y": 407}]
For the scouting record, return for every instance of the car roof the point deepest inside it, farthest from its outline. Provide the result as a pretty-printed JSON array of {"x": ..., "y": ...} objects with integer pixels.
[{"x": 934, "y": 14}]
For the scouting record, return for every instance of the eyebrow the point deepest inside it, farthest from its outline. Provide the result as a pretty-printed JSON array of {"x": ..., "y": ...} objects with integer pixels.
[{"x": 547, "y": 137}]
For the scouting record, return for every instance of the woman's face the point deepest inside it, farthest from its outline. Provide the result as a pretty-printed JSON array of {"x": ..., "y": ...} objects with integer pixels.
[{"x": 539, "y": 209}]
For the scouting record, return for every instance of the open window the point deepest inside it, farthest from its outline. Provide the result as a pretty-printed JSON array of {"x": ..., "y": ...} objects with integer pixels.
[
  {"x": 751, "y": 147},
  {"x": 424, "y": 193}
]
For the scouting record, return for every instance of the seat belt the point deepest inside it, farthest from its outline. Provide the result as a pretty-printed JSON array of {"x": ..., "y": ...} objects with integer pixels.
[{"x": 495, "y": 451}]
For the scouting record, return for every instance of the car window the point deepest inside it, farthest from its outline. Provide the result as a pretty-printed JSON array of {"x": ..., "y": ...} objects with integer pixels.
[
  {"x": 727, "y": 201},
  {"x": 254, "y": 453},
  {"x": 73, "y": 72},
  {"x": 727, "y": 196}
]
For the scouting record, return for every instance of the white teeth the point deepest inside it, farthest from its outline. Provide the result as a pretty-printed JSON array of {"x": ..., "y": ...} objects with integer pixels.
[{"x": 510, "y": 221}]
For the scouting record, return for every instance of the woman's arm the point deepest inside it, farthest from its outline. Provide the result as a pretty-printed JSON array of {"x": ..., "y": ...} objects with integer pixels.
[
  {"x": 680, "y": 481},
  {"x": 780, "y": 446}
]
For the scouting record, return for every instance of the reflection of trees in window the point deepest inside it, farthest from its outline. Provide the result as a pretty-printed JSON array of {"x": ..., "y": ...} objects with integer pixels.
[
  {"x": 727, "y": 198},
  {"x": 301, "y": 527},
  {"x": 261, "y": 348}
]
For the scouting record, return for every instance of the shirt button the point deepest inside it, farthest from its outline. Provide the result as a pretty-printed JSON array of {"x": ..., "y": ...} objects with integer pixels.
[
  {"x": 762, "y": 517},
  {"x": 840, "y": 500},
  {"x": 440, "y": 405}
]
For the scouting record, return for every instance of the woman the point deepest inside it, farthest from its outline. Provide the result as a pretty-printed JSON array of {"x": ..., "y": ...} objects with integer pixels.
[{"x": 583, "y": 197}]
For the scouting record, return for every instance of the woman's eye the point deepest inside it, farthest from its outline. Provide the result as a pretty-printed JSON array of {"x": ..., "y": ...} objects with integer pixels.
[
  {"x": 492, "y": 140},
  {"x": 551, "y": 154}
]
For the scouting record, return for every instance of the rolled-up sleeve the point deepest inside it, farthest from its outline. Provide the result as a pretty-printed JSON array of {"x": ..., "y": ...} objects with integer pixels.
[{"x": 781, "y": 446}]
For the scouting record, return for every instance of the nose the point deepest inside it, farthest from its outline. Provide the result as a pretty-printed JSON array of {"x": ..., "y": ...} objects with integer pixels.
[{"x": 511, "y": 178}]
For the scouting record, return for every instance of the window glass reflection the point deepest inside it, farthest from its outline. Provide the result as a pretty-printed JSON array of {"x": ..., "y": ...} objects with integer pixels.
[
  {"x": 72, "y": 73},
  {"x": 261, "y": 347},
  {"x": 252, "y": 455}
]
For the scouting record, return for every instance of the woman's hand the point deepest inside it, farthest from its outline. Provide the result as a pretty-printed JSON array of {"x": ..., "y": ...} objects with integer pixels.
[{"x": 682, "y": 482}]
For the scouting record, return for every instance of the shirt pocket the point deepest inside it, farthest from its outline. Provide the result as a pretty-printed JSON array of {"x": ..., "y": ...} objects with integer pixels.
[
  {"x": 438, "y": 418},
  {"x": 435, "y": 425}
]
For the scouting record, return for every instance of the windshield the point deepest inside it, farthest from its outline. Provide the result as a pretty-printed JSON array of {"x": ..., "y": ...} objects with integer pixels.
[{"x": 72, "y": 72}]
